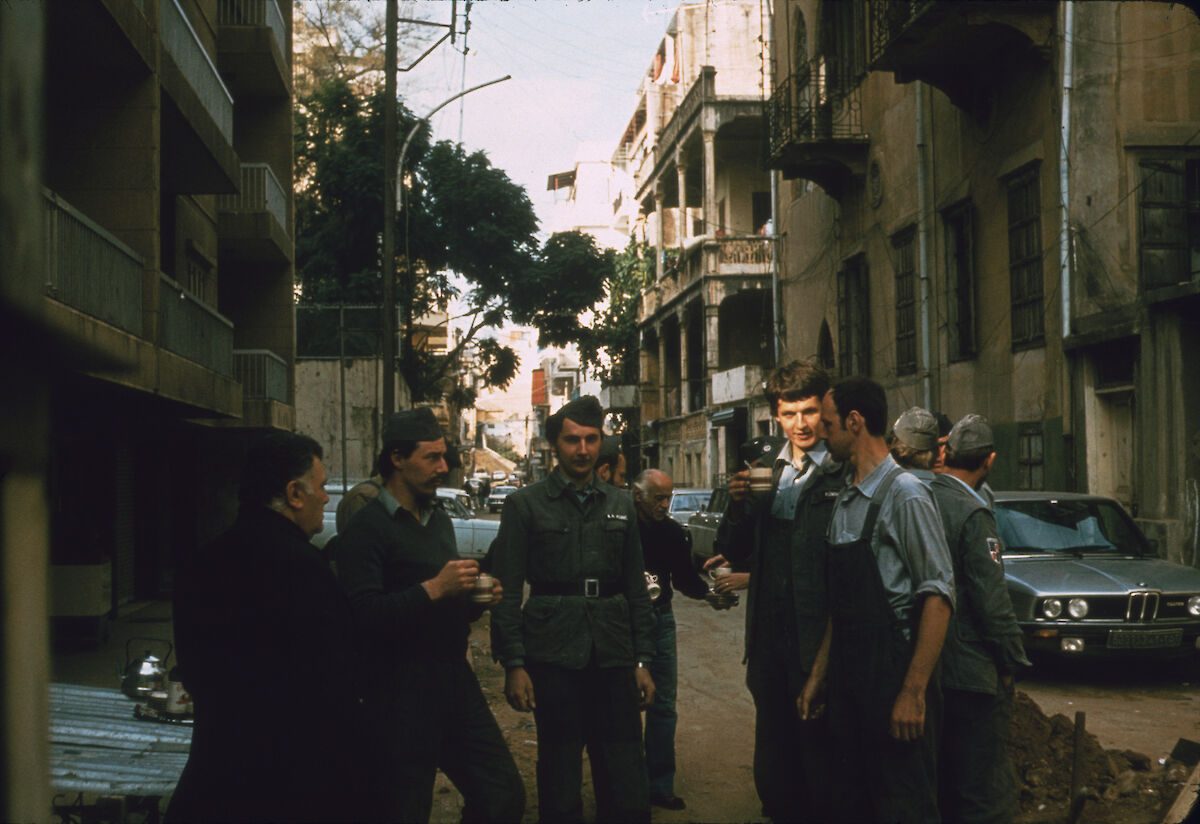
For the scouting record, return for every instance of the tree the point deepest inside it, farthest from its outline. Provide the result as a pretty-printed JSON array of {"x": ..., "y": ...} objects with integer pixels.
[{"x": 611, "y": 350}]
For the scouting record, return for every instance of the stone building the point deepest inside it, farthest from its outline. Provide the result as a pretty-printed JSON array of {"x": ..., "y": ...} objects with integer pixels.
[
  {"x": 993, "y": 207},
  {"x": 694, "y": 148}
]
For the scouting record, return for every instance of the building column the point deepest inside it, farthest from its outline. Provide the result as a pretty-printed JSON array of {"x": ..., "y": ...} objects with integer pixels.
[
  {"x": 710, "y": 183},
  {"x": 681, "y": 221},
  {"x": 685, "y": 389},
  {"x": 658, "y": 233},
  {"x": 662, "y": 371},
  {"x": 712, "y": 348}
]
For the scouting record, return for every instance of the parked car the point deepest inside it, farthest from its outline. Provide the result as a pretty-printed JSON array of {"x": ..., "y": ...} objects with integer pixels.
[
  {"x": 686, "y": 501},
  {"x": 1085, "y": 581},
  {"x": 473, "y": 535},
  {"x": 704, "y": 522},
  {"x": 495, "y": 501}
]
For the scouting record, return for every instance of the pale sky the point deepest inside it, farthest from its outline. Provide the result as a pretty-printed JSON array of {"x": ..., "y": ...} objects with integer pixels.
[{"x": 575, "y": 65}]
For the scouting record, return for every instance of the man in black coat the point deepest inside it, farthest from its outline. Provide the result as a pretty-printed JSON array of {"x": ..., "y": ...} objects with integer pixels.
[
  {"x": 265, "y": 641},
  {"x": 781, "y": 535}
]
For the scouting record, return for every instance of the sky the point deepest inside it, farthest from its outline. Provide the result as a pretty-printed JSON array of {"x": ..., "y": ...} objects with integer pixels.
[{"x": 575, "y": 65}]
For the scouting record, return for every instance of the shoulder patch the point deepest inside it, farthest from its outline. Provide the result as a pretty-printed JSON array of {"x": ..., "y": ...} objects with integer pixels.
[{"x": 995, "y": 549}]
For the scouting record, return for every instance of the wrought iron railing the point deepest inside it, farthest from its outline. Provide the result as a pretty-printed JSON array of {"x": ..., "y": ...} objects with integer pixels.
[
  {"x": 184, "y": 46},
  {"x": 262, "y": 374},
  {"x": 193, "y": 330},
  {"x": 260, "y": 191},
  {"x": 89, "y": 269},
  {"x": 254, "y": 13},
  {"x": 814, "y": 105},
  {"x": 887, "y": 19}
]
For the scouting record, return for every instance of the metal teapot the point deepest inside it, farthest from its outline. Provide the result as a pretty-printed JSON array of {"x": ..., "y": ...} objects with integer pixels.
[{"x": 147, "y": 674}]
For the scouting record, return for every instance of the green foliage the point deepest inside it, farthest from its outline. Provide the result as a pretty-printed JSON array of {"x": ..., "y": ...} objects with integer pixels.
[
  {"x": 567, "y": 280},
  {"x": 611, "y": 350}
]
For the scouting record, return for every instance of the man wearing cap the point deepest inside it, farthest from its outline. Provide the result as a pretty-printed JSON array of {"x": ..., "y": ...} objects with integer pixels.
[
  {"x": 782, "y": 537},
  {"x": 913, "y": 442},
  {"x": 983, "y": 649},
  {"x": 890, "y": 595},
  {"x": 667, "y": 550},
  {"x": 610, "y": 467},
  {"x": 576, "y": 654},
  {"x": 398, "y": 562}
]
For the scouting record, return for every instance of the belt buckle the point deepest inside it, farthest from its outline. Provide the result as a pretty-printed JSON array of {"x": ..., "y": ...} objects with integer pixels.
[{"x": 591, "y": 587}]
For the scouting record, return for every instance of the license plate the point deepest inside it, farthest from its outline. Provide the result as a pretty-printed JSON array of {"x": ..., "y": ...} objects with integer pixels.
[{"x": 1144, "y": 639}]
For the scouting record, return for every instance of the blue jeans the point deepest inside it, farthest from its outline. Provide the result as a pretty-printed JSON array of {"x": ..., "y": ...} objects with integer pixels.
[{"x": 660, "y": 715}]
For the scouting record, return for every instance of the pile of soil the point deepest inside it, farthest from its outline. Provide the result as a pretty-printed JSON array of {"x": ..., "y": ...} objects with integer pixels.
[{"x": 1120, "y": 787}]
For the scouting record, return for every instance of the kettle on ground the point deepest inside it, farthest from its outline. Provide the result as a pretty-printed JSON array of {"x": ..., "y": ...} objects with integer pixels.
[{"x": 147, "y": 674}]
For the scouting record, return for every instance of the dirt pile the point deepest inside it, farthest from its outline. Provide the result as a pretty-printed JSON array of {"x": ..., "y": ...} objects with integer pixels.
[{"x": 1121, "y": 787}]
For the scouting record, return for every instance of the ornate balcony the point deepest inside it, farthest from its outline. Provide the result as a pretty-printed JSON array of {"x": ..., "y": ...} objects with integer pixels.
[{"x": 814, "y": 128}]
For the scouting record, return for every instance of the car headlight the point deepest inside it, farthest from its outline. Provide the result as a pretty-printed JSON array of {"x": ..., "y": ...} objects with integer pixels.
[
  {"x": 1194, "y": 605},
  {"x": 1077, "y": 608},
  {"x": 1052, "y": 607}
]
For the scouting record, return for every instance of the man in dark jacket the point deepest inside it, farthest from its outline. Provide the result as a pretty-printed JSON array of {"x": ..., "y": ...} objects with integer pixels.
[
  {"x": 783, "y": 535},
  {"x": 576, "y": 654},
  {"x": 667, "y": 551},
  {"x": 983, "y": 649},
  {"x": 265, "y": 641},
  {"x": 411, "y": 593}
]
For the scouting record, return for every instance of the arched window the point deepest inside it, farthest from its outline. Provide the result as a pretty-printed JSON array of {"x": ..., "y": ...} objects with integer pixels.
[
  {"x": 825, "y": 347},
  {"x": 799, "y": 44}
]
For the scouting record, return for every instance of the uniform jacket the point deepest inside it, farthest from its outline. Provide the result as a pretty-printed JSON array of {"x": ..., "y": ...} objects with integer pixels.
[
  {"x": 548, "y": 536},
  {"x": 983, "y": 641},
  {"x": 739, "y": 539}
]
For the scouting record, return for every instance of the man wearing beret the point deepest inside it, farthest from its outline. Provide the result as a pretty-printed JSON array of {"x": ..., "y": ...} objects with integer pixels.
[
  {"x": 983, "y": 648},
  {"x": 576, "y": 654},
  {"x": 913, "y": 442},
  {"x": 398, "y": 562}
]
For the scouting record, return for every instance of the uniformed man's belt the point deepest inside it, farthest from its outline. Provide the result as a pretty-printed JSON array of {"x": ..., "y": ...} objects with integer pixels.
[{"x": 588, "y": 587}]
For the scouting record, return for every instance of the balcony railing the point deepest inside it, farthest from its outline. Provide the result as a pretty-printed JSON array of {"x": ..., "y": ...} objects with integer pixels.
[
  {"x": 193, "y": 330},
  {"x": 262, "y": 374},
  {"x": 887, "y": 19},
  {"x": 254, "y": 13},
  {"x": 179, "y": 38},
  {"x": 91, "y": 270},
  {"x": 812, "y": 106},
  {"x": 744, "y": 251},
  {"x": 260, "y": 191}
]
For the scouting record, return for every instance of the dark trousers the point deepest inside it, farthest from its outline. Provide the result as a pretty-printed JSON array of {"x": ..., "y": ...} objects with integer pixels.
[
  {"x": 444, "y": 723},
  {"x": 791, "y": 758},
  {"x": 596, "y": 707},
  {"x": 661, "y": 717},
  {"x": 976, "y": 783}
]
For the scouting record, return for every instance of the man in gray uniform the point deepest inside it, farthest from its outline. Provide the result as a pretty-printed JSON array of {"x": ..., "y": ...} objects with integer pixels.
[
  {"x": 890, "y": 598},
  {"x": 576, "y": 654},
  {"x": 913, "y": 442},
  {"x": 983, "y": 647}
]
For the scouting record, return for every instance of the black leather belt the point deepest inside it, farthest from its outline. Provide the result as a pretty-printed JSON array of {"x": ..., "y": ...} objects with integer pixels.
[{"x": 588, "y": 587}]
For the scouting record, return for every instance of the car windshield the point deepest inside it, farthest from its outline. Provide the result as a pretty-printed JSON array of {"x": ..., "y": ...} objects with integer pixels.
[
  {"x": 1072, "y": 527},
  {"x": 688, "y": 501},
  {"x": 453, "y": 506},
  {"x": 503, "y": 490}
]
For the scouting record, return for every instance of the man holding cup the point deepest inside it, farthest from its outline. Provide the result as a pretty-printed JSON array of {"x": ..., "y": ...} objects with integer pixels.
[
  {"x": 777, "y": 521},
  {"x": 414, "y": 600}
]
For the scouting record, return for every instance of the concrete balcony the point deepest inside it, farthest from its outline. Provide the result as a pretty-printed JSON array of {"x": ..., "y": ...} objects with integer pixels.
[
  {"x": 737, "y": 384},
  {"x": 192, "y": 329},
  {"x": 264, "y": 379},
  {"x": 198, "y": 155},
  {"x": 90, "y": 270},
  {"x": 252, "y": 48},
  {"x": 253, "y": 223},
  {"x": 814, "y": 128}
]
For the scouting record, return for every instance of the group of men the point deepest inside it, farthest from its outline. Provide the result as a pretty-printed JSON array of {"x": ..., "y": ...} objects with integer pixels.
[
  {"x": 881, "y": 644},
  {"x": 864, "y": 581}
]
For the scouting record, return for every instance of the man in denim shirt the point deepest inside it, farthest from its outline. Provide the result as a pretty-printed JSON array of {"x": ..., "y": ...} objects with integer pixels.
[{"x": 576, "y": 653}]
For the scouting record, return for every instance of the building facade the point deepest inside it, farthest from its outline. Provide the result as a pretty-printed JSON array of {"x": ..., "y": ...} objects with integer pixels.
[{"x": 992, "y": 208}]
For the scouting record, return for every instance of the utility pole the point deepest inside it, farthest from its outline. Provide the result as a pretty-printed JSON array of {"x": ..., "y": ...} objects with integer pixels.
[{"x": 388, "y": 265}]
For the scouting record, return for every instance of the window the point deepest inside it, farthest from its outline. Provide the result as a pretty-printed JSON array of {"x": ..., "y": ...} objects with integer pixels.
[
  {"x": 1169, "y": 218},
  {"x": 906, "y": 303},
  {"x": 760, "y": 208},
  {"x": 843, "y": 44},
  {"x": 1025, "y": 259},
  {"x": 854, "y": 318},
  {"x": 1030, "y": 460},
  {"x": 960, "y": 281},
  {"x": 825, "y": 346}
]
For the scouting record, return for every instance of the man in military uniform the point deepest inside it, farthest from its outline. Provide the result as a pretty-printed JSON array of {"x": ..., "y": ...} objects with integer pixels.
[
  {"x": 983, "y": 647},
  {"x": 782, "y": 538},
  {"x": 913, "y": 442},
  {"x": 576, "y": 654},
  {"x": 398, "y": 562}
]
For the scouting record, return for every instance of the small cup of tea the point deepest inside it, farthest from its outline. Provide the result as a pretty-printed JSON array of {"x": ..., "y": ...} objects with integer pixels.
[
  {"x": 760, "y": 480},
  {"x": 483, "y": 589}
]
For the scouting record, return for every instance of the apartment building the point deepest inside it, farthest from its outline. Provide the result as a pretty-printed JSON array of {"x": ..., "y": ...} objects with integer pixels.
[
  {"x": 694, "y": 147},
  {"x": 167, "y": 214},
  {"x": 993, "y": 207}
]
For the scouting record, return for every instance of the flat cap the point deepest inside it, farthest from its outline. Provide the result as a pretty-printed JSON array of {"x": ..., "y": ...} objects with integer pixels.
[
  {"x": 971, "y": 437},
  {"x": 760, "y": 448},
  {"x": 412, "y": 425},
  {"x": 917, "y": 429}
]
